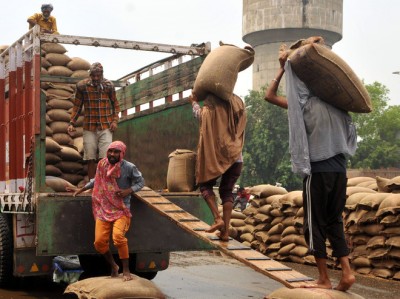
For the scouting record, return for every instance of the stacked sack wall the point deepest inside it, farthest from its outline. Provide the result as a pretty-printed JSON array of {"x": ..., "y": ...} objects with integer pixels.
[
  {"x": 273, "y": 225},
  {"x": 372, "y": 225},
  {"x": 64, "y": 152}
]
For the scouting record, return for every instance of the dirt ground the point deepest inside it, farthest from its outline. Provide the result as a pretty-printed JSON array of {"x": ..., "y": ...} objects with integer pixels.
[
  {"x": 209, "y": 274},
  {"x": 368, "y": 287}
]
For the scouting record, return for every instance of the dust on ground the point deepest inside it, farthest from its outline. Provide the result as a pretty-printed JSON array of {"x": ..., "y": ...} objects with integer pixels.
[{"x": 370, "y": 287}]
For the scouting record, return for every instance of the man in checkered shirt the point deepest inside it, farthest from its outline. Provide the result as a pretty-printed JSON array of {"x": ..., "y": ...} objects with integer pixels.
[{"x": 95, "y": 97}]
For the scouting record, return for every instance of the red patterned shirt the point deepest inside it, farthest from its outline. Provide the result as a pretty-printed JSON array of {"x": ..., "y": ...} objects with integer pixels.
[{"x": 100, "y": 104}]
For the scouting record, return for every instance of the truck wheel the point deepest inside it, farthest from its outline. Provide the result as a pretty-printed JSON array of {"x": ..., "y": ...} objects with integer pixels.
[
  {"x": 6, "y": 250},
  {"x": 93, "y": 265}
]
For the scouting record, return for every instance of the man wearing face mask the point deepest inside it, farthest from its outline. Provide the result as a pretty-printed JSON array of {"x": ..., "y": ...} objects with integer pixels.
[
  {"x": 46, "y": 22},
  {"x": 115, "y": 181},
  {"x": 96, "y": 96}
]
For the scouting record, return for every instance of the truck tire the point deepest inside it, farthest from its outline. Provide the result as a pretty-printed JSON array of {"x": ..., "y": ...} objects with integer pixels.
[
  {"x": 6, "y": 250},
  {"x": 93, "y": 265},
  {"x": 132, "y": 267}
]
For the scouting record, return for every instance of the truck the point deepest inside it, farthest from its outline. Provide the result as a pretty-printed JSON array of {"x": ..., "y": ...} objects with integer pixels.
[{"x": 37, "y": 223}]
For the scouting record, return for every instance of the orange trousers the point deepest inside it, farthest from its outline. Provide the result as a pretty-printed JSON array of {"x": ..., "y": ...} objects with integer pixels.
[{"x": 119, "y": 228}]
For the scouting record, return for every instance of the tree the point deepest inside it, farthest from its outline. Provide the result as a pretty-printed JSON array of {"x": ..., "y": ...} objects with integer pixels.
[
  {"x": 378, "y": 132},
  {"x": 266, "y": 154}
]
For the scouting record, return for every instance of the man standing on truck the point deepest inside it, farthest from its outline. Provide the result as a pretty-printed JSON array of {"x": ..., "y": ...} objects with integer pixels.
[
  {"x": 96, "y": 95},
  {"x": 115, "y": 182},
  {"x": 219, "y": 153},
  {"x": 46, "y": 22},
  {"x": 320, "y": 137}
]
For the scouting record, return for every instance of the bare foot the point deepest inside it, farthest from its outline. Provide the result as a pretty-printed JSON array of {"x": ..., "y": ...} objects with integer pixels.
[
  {"x": 345, "y": 283},
  {"x": 217, "y": 225},
  {"x": 223, "y": 236},
  {"x": 114, "y": 270},
  {"x": 317, "y": 285},
  {"x": 127, "y": 277}
]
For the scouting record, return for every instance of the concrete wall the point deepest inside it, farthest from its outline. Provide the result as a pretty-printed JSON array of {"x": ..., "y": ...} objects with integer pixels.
[{"x": 269, "y": 23}]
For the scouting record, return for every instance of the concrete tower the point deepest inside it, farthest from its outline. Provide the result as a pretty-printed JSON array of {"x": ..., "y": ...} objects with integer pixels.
[{"x": 269, "y": 23}]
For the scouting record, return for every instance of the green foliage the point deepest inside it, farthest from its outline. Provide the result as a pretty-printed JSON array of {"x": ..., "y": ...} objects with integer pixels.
[
  {"x": 378, "y": 132},
  {"x": 266, "y": 156}
]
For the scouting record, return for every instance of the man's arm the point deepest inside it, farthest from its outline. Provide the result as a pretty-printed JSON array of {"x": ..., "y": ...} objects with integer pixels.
[
  {"x": 196, "y": 109},
  {"x": 116, "y": 108},
  {"x": 138, "y": 180},
  {"x": 271, "y": 94},
  {"x": 32, "y": 21},
  {"x": 76, "y": 110},
  {"x": 54, "y": 26}
]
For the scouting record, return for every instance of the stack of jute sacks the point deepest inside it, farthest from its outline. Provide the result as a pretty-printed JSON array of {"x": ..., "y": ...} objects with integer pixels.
[
  {"x": 372, "y": 224},
  {"x": 64, "y": 164},
  {"x": 273, "y": 225}
]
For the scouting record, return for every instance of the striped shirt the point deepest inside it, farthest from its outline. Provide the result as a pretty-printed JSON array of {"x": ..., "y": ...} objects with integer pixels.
[{"x": 100, "y": 104}]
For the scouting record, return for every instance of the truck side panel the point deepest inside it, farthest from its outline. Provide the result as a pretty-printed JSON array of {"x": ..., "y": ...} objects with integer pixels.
[{"x": 65, "y": 226}]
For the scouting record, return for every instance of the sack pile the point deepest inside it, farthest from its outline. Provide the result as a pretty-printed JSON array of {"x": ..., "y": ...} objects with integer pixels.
[
  {"x": 63, "y": 152},
  {"x": 273, "y": 225},
  {"x": 372, "y": 224}
]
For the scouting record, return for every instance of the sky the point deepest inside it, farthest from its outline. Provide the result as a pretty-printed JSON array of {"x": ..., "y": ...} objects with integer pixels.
[{"x": 369, "y": 43}]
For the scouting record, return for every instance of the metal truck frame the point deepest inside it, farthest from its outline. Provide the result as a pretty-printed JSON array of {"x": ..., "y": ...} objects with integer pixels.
[{"x": 37, "y": 224}]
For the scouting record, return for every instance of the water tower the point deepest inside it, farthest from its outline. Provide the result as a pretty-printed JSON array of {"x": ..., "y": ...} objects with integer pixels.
[{"x": 269, "y": 23}]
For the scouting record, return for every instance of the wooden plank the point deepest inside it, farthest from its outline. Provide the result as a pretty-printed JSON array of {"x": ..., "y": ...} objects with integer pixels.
[{"x": 252, "y": 258}]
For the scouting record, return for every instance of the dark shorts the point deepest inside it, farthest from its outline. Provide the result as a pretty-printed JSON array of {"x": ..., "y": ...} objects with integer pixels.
[{"x": 228, "y": 181}]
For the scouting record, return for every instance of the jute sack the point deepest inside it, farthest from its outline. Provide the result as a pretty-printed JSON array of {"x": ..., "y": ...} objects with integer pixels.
[
  {"x": 52, "y": 158},
  {"x": 266, "y": 190},
  {"x": 57, "y": 59},
  {"x": 80, "y": 74},
  {"x": 59, "y": 126},
  {"x": 357, "y": 180},
  {"x": 219, "y": 71},
  {"x": 314, "y": 293},
  {"x": 57, "y": 184},
  {"x": 59, "y": 103},
  {"x": 59, "y": 92},
  {"x": 3, "y": 47},
  {"x": 62, "y": 138},
  {"x": 52, "y": 146},
  {"x": 69, "y": 154},
  {"x": 53, "y": 48},
  {"x": 73, "y": 178},
  {"x": 59, "y": 115},
  {"x": 330, "y": 78},
  {"x": 53, "y": 170},
  {"x": 70, "y": 166},
  {"x": 59, "y": 70},
  {"x": 114, "y": 288},
  {"x": 78, "y": 63},
  {"x": 181, "y": 171}
]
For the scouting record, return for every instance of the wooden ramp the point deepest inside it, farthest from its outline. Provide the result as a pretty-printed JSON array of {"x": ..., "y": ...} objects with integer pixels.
[{"x": 252, "y": 258}]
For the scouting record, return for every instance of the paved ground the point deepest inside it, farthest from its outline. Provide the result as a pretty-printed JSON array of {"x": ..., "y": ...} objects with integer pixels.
[{"x": 198, "y": 275}]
